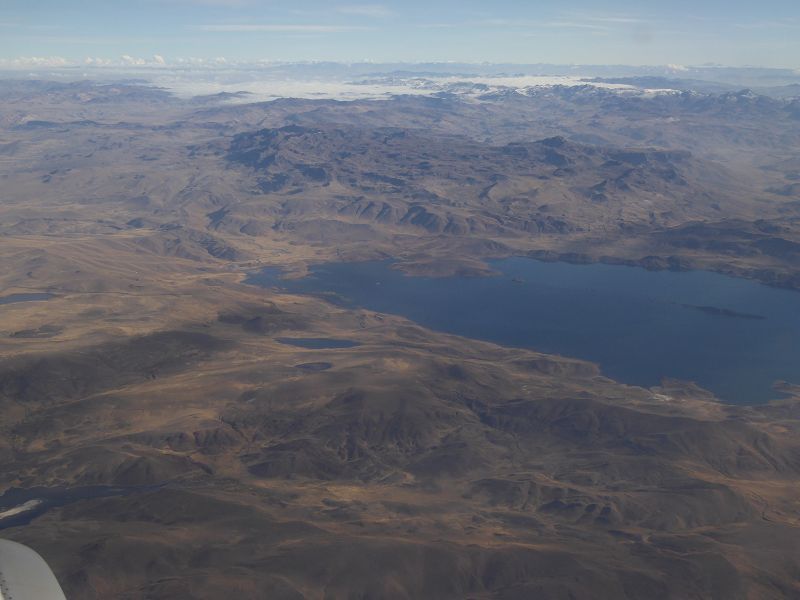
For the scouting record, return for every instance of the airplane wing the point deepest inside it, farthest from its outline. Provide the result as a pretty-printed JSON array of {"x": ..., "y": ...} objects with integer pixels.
[{"x": 25, "y": 576}]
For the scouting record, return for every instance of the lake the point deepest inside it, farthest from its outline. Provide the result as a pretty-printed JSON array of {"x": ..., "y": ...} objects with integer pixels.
[
  {"x": 34, "y": 297},
  {"x": 318, "y": 343},
  {"x": 19, "y": 506},
  {"x": 732, "y": 336}
]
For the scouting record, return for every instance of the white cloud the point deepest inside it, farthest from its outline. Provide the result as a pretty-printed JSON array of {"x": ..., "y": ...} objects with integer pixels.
[
  {"x": 131, "y": 61},
  {"x": 376, "y": 11},
  {"x": 590, "y": 22},
  {"x": 219, "y": 61},
  {"x": 566, "y": 21},
  {"x": 245, "y": 28},
  {"x": 134, "y": 61},
  {"x": 95, "y": 61},
  {"x": 26, "y": 62}
]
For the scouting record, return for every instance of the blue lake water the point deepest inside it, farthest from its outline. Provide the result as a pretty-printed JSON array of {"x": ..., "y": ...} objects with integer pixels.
[
  {"x": 19, "y": 506},
  {"x": 318, "y": 343},
  {"x": 732, "y": 336},
  {"x": 14, "y": 298}
]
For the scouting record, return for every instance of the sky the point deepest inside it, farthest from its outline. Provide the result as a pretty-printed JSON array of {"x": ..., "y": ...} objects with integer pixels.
[{"x": 155, "y": 32}]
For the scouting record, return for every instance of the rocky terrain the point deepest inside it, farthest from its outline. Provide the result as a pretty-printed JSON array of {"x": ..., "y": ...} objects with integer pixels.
[{"x": 414, "y": 464}]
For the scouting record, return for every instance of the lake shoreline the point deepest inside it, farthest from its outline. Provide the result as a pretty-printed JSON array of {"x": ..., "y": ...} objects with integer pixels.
[{"x": 614, "y": 321}]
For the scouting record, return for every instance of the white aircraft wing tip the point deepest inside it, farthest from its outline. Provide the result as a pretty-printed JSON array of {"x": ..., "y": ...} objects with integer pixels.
[{"x": 24, "y": 575}]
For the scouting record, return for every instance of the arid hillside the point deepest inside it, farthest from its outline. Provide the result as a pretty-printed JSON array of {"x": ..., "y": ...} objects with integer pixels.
[{"x": 209, "y": 457}]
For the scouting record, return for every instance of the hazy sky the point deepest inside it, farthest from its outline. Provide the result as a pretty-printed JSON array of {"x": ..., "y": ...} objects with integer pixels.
[{"x": 756, "y": 32}]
